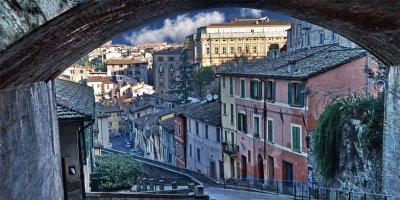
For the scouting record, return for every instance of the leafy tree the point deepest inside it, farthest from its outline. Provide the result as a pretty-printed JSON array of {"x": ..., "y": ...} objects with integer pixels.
[
  {"x": 86, "y": 63},
  {"x": 182, "y": 83},
  {"x": 117, "y": 171},
  {"x": 203, "y": 78}
]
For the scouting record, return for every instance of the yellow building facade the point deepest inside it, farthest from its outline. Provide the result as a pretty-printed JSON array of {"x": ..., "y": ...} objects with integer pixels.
[{"x": 249, "y": 38}]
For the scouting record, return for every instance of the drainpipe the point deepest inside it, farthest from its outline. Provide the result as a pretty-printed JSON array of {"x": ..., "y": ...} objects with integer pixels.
[{"x": 367, "y": 70}]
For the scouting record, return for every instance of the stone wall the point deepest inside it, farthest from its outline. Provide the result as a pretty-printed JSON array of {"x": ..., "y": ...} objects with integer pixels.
[
  {"x": 29, "y": 144},
  {"x": 358, "y": 170}
]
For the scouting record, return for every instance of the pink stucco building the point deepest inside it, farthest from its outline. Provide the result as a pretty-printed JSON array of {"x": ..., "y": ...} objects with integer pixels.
[{"x": 272, "y": 106}]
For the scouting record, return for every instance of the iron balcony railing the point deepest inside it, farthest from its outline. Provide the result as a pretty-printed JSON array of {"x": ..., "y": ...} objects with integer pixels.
[{"x": 230, "y": 149}]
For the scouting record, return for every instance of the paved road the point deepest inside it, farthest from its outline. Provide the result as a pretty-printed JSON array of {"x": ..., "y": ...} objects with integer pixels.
[
  {"x": 228, "y": 194},
  {"x": 215, "y": 193}
]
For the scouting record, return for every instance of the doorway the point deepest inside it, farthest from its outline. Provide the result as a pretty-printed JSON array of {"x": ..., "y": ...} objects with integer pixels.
[
  {"x": 244, "y": 167},
  {"x": 260, "y": 162}
]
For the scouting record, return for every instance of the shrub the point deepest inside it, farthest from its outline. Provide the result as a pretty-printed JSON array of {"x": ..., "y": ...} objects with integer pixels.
[{"x": 117, "y": 171}]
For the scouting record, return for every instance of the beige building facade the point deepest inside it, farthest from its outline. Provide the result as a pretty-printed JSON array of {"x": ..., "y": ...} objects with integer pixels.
[{"x": 250, "y": 38}]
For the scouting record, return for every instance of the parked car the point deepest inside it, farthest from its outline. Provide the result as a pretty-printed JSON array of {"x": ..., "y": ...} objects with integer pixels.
[
  {"x": 134, "y": 152},
  {"x": 128, "y": 145}
]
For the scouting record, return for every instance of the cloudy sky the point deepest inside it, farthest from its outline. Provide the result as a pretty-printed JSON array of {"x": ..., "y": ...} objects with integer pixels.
[{"x": 174, "y": 29}]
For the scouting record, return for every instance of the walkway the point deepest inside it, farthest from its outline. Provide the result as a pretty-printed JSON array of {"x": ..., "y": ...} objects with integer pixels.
[{"x": 228, "y": 194}]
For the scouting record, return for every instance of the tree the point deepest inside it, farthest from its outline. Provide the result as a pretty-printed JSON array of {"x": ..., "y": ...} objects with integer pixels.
[
  {"x": 202, "y": 79},
  {"x": 86, "y": 63},
  {"x": 117, "y": 171},
  {"x": 181, "y": 85}
]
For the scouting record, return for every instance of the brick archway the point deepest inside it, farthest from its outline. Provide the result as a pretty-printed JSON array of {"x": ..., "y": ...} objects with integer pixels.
[{"x": 45, "y": 40}]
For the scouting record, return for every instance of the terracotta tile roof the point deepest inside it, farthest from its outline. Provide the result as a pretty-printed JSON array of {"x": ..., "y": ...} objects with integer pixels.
[
  {"x": 306, "y": 63},
  {"x": 170, "y": 51},
  {"x": 207, "y": 112},
  {"x": 103, "y": 79},
  {"x": 74, "y": 100},
  {"x": 123, "y": 61}
]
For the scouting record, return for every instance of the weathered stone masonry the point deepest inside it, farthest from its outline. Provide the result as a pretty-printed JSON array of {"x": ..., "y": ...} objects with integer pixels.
[{"x": 29, "y": 143}]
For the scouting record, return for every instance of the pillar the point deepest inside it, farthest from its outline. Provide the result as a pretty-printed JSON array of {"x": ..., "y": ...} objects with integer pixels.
[
  {"x": 30, "y": 159},
  {"x": 151, "y": 184},
  {"x": 391, "y": 134},
  {"x": 161, "y": 184}
]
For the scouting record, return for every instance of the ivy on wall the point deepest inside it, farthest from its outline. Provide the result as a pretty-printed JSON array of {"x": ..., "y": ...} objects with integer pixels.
[{"x": 328, "y": 135}]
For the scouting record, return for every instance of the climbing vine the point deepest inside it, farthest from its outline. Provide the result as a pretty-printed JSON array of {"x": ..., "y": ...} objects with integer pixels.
[{"x": 327, "y": 137}]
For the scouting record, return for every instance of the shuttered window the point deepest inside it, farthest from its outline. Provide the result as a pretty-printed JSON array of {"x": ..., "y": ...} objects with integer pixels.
[
  {"x": 242, "y": 88},
  {"x": 270, "y": 91},
  {"x": 296, "y": 138},
  {"x": 270, "y": 129},
  {"x": 242, "y": 122},
  {"x": 295, "y": 96},
  {"x": 255, "y": 90}
]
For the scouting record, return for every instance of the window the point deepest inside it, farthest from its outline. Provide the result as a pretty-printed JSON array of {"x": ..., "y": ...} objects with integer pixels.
[
  {"x": 208, "y": 50},
  {"x": 295, "y": 97},
  {"x": 81, "y": 71},
  {"x": 223, "y": 81},
  {"x": 109, "y": 123},
  {"x": 218, "y": 132},
  {"x": 171, "y": 58},
  {"x": 231, "y": 86},
  {"x": 206, "y": 131},
  {"x": 138, "y": 115},
  {"x": 270, "y": 91},
  {"x": 242, "y": 122},
  {"x": 224, "y": 108},
  {"x": 296, "y": 137},
  {"x": 190, "y": 150},
  {"x": 198, "y": 154},
  {"x": 223, "y": 50},
  {"x": 120, "y": 66},
  {"x": 256, "y": 127},
  {"x": 321, "y": 38},
  {"x": 72, "y": 72},
  {"x": 232, "y": 50},
  {"x": 225, "y": 135},
  {"x": 239, "y": 49},
  {"x": 160, "y": 59},
  {"x": 232, "y": 116},
  {"x": 242, "y": 88},
  {"x": 254, "y": 49},
  {"x": 270, "y": 130},
  {"x": 216, "y": 50},
  {"x": 255, "y": 89},
  {"x": 179, "y": 129},
  {"x": 119, "y": 123},
  {"x": 190, "y": 127},
  {"x": 171, "y": 67},
  {"x": 249, "y": 156},
  {"x": 137, "y": 72},
  {"x": 197, "y": 128}
]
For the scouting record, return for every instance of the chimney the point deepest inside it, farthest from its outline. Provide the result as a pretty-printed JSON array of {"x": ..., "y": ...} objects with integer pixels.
[{"x": 291, "y": 65}]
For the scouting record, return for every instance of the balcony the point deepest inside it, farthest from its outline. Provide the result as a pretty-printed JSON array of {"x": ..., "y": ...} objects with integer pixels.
[{"x": 230, "y": 149}]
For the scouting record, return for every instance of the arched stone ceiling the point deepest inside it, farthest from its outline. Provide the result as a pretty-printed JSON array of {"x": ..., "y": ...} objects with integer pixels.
[{"x": 40, "y": 38}]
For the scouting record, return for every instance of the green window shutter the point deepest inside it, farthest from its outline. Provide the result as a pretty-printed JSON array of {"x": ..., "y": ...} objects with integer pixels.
[
  {"x": 239, "y": 121},
  {"x": 259, "y": 84},
  {"x": 242, "y": 88},
  {"x": 302, "y": 95},
  {"x": 270, "y": 133},
  {"x": 273, "y": 90},
  {"x": 266, "y": 89},
  {"x": 230, "y": 85},
  {"x": 252, "y": 89},
  {"x": 296, "y": 138},
  {"x": 244, "y": 118},
  {"x": 290, "y": 93}
]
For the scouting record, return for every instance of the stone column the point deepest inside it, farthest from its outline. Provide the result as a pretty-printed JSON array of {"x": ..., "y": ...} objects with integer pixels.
[
  {"x": 174, "y": 185},
  {"x": 151, "y": 184},
  {"x": 144, "y": 182},
  {"x": 391, "y": 134},
  {"x": 30, "y": 160},
  {"x": 161, "y": 184}
]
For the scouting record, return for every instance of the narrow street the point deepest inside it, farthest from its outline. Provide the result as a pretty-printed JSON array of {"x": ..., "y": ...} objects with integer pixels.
[{"x": 215, "y": 193}]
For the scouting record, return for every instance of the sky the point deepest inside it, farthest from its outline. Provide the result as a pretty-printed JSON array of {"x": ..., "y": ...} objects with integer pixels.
[{"x": 174, "y": 29}]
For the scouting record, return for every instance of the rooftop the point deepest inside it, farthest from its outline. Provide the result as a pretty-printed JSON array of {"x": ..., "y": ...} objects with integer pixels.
[
  {"x": 168, "y": 124},
  {"x": 169, "y": 51},
  {"x": 103, "y": 79},
  {"x": 74, "y": 100},
  {"x": 207, "y": 112},
  {"x": 297, "y": 65},
  {"x": 123, "y": 61},
  {"x": 250, "y": 22}
]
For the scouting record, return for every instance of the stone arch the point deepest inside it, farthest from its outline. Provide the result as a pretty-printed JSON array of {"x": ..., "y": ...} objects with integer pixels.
[{"x": 49, "y": 40}]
